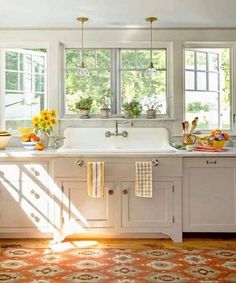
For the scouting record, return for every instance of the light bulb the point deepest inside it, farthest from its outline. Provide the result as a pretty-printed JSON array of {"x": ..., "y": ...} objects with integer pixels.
[{"x": 151, "y": 71}]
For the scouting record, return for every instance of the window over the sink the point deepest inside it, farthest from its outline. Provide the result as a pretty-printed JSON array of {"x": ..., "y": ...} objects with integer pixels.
[
  {"x": 118, "y": 73},
  {"x": 208, "y": 86}
]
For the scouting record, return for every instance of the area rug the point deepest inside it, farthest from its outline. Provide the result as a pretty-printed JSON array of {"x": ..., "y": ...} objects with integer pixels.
[{"x": 108, "y": 265}]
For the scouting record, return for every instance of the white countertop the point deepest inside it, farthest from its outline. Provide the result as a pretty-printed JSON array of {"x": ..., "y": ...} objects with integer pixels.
[{"x": 20, "y": 152}]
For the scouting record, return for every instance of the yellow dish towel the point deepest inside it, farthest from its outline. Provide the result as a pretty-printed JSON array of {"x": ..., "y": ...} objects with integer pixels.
[
  {"x": 95, "y": 179},
  {"x": 143, "y": 179}
]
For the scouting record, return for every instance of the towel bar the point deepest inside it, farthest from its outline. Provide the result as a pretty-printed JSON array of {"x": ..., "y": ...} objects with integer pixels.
[{"x": 82, "y": 163}]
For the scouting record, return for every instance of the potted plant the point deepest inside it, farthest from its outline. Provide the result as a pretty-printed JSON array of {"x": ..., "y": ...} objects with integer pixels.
[
  {"x": 152, "y": 106},
  {"x": 84, "y": 105},
  {"x": 132, "y": 108},
  {"x": 105, "y": 104}
]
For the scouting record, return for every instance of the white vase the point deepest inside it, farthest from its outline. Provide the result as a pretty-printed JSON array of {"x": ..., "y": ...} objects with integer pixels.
[{"x": 44, "y": 139}]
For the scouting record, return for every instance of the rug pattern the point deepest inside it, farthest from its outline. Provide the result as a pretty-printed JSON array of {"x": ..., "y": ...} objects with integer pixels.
[{"x": 112, "y": 265}]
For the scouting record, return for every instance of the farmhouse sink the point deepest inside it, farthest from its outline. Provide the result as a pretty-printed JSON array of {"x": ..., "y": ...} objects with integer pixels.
[{"x": 138, "y": 140}]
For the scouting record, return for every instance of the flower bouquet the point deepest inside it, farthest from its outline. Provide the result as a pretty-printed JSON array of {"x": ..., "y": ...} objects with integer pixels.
[{"x": 218, "y": 138}]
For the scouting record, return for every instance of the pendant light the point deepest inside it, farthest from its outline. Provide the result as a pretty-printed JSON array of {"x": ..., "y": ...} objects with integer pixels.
[
  {"x": 82, "y": 70},
  {"x": 151, "y": 71}
]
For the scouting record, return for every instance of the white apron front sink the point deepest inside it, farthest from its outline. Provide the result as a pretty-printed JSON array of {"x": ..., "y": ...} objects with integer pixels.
[{"x": 139, "y": 140}]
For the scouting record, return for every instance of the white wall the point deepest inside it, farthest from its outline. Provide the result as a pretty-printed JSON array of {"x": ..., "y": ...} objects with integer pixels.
[{"x": 55, "y": 39}]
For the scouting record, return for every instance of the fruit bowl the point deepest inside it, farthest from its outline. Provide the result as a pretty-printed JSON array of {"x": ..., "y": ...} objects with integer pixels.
[
  {"x": 220, "y": 143},
  {"x": 29, "y": 145}
]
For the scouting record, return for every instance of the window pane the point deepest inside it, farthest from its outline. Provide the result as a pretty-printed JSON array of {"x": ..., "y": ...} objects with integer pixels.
[
  {"x": 128, "y": 59},
  {"x": 159, "y": 58},
  {"x": 213, "y": 62},
  {"x": 189, "y": 60},
  {"x": 189, "y": 80},
  {"x": 143, "y": 59},
  {"x": 212, "y": 106},
  {"x": 22, "y": 101},
  {"x": 201, "y": 61},
  {"x": 72, "y": 58},
  {"x": 11, "y": 80},
  {"x": 38, "y": 64},
  {"x": 95, "y": 85},
  {"x": 26, "y": 62},
  {"x": 11, "y": 60},
  {"x": 201, "y": 81},
  {"x": 213, "y": 81}
]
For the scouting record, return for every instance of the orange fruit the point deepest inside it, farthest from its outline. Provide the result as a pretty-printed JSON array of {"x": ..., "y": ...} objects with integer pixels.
[
  {"x": 25, "y": 138},
  {"x": 39, "y": 146}
]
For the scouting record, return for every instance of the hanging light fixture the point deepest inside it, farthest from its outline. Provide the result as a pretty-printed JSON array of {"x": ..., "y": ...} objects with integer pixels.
[
  {"x": 82, "y": 70},
  {"x": 151, "y": 71}
]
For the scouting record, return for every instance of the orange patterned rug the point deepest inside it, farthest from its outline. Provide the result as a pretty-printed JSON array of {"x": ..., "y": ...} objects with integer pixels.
[{"x": 108, "y": 265}]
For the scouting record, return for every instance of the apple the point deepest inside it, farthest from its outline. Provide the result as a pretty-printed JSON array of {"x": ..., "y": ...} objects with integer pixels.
[{"x": 39, "y": 146}]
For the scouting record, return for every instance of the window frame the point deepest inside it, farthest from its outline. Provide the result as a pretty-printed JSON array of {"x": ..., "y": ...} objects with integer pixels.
[
  {"x": 21, "y": 45},
  {"x": 115, "y": 77},
  {"x": 232, "y": 50}
]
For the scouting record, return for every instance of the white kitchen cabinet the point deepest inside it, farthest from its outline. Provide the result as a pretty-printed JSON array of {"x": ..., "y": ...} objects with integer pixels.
[
  {"x": 120, "y": 213},
  {"x": 25, "y": 200},
  {"x": 87, "y": 212},
  {"x": 154, "y": 212},
  {"x": 209, "y": 195}
]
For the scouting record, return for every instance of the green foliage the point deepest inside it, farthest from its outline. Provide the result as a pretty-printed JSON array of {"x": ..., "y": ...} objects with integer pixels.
[
  {"x": 84, "y": 103},
  {"x": 104, "y": 101},
  {"x": 132, "y": 108},
  {"x": 197, "y": 106}
]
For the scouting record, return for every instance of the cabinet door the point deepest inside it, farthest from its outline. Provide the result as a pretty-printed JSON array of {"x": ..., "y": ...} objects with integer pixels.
[
  {"x": 209, "y": 195},
  {"x": 86, "y": 211},
  {"x": 147, "y": 212},
  {"x": 23, "y": 206}
]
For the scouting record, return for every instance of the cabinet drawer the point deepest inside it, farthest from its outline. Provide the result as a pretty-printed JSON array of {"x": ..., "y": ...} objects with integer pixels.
[
  {"x": 209, "y": 162},
  {"x": 23, "y": 171},
  {"x": 125, "y": 167}
]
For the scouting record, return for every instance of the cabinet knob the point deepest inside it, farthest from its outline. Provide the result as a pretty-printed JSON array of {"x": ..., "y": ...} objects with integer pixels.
[
  {"x": 111, "y": 192},
  {"x": 211, "y": 162},
  {"x": 37, "y": 196},
  {"x": 155, "y": 162},
  {"x": 80, "y": 163},
  {"x": 125, "y": 192},
  {"x": 36, "y": 218},
  {"x": 36, "y": 173}
]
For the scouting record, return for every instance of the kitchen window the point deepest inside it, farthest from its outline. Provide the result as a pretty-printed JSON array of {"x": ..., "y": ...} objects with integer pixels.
[
  {"x": 24, "y": 85},
  {"x": 207, "y": 87},
  {"x": 118, "y": 73}
]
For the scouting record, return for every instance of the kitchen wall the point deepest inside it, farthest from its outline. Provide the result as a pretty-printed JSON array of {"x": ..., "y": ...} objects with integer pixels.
[{"x": 55, "y": 39}]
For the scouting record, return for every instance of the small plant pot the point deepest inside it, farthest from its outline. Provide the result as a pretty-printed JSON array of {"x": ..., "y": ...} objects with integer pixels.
[
  {"x": 128, "y": 114},
  {"x": 105, "y": 112},
  {"x": 151, "y": 114},
  {"x": 84, "y": 113}
]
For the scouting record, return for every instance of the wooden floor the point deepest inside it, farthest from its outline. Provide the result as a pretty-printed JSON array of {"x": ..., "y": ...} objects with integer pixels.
[{"x": 206, "y": 241}]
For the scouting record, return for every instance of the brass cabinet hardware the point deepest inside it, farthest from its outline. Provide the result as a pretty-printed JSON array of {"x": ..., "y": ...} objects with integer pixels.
[
  {"x": 111, "y": 192},
  {"x": 125, "y": 192}
]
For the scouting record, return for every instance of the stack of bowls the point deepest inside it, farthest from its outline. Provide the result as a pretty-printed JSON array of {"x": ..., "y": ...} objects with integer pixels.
[{"x": 4, "y": 139}]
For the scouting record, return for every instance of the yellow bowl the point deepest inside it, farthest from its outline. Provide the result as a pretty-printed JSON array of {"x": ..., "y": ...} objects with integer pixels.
[
  {"x": 4, "y": 140},
  {"x": 218, "y": 143},
  {"x": 24, "y": 131}
]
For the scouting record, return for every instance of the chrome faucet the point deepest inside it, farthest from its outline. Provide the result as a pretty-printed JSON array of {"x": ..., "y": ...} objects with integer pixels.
[
  {"x": 124, "y": 134},
  {"x": 57, "y": 140}
]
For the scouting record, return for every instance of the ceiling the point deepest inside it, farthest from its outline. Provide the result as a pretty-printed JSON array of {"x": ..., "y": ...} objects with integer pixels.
[{"x": 118, "y": 13}]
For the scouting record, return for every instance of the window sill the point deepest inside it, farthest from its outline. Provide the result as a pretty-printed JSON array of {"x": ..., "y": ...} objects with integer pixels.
[{"x": 115, "y": 118}]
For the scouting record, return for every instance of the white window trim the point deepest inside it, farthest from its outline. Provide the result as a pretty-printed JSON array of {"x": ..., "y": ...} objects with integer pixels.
[
  {"x": 232, "y": 46},
  {"x": 20, "y": 45},
  {"x": 168, "y": 45}
]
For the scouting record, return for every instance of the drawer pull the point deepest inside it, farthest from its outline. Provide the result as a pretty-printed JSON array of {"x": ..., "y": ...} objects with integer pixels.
[
  {"x": 125, "y": 192},
  {"x": 155, "y": 162},
  {"x": 210, "y": 162},
  {"x": 111, "y": 192},
  {"x": 37, "y": 196},
  {"x": 36, "y": 173},
  {"x": 80, "y": 163}
]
